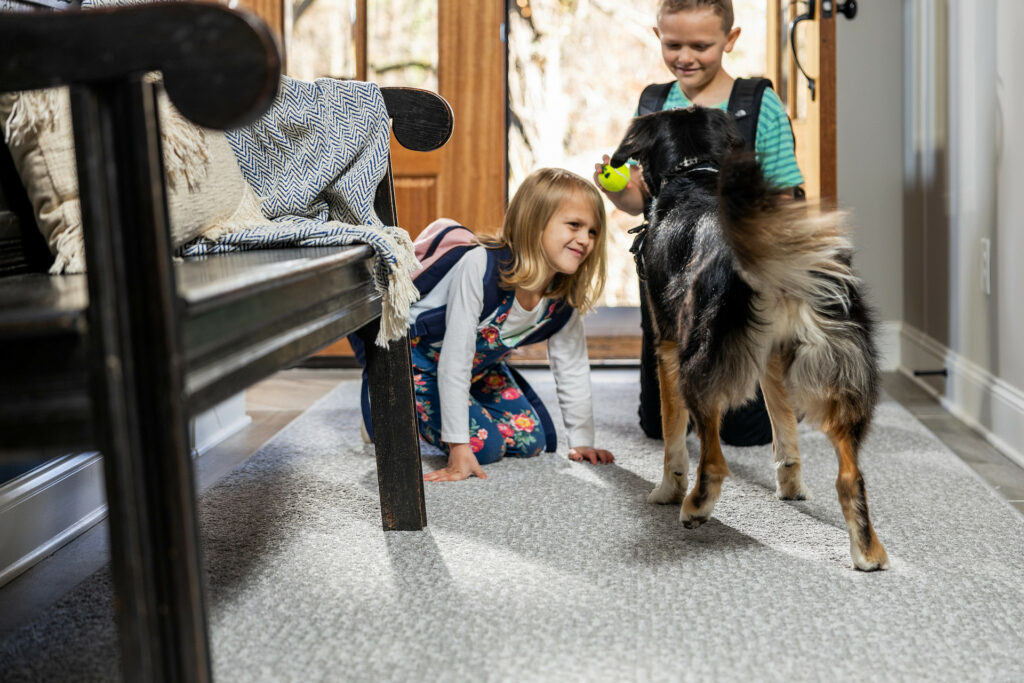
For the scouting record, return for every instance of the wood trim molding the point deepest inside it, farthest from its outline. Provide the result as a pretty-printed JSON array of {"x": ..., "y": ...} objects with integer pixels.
[{"x": 472, "y": 76}]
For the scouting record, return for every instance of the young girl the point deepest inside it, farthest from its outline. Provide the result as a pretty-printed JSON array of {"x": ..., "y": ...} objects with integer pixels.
[{"x": 471, "y": 404}]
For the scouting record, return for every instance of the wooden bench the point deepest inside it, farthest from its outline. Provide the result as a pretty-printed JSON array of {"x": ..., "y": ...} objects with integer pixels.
[{"x": 119, "y": 359}]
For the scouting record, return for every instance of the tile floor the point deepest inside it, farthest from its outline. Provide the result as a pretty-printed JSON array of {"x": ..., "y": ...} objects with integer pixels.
[
  {"x": 1003, "y": 474},
  {"x": 280, "y": 399}
]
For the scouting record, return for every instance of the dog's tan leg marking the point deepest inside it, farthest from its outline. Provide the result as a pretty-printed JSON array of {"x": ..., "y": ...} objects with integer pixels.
[
  {"x": 711, "y": 471},
  {"x": 865, "y": 548},
  {"x": 789, "y": 483},
  {"x": 673, "y": 428}
]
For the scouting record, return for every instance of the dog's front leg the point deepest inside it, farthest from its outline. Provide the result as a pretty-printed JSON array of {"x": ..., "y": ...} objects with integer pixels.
[
  {"x": 711, "y": 471},
  {"x": 674, "y": 417},
  {"x": 789, "y": 483}
]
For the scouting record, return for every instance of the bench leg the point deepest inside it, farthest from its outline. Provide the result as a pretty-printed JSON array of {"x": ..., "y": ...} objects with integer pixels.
[
  {"x": 396, "y": 439},
  {"x": 136, "y": 374}
]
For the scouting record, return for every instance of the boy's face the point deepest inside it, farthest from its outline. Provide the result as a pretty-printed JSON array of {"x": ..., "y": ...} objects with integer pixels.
[{"x": 692, "y": 45}]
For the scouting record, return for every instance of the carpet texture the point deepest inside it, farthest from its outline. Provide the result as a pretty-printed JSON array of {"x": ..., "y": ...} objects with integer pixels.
[{"x": 553, "y": 570}]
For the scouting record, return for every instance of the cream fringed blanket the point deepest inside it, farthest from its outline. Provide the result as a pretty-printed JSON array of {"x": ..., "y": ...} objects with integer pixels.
[{"x": 315, "y": 160}]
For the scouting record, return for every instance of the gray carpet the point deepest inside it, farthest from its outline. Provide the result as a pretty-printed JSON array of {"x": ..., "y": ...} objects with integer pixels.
[{"x": 553, "y": 570}]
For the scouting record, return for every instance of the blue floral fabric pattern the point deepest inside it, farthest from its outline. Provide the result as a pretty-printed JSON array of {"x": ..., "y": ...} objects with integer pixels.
[{"x": 503, "y": 421}]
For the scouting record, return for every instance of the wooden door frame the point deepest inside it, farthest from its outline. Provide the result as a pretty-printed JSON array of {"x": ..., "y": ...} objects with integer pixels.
[
  {"x": 816, "y": 133},
  {"x": 472, "y": 77},
  {"x": 471, "y": 169}
]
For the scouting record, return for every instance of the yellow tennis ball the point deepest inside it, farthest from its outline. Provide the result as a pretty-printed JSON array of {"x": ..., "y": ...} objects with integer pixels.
[{"x": 614, "y": 179}]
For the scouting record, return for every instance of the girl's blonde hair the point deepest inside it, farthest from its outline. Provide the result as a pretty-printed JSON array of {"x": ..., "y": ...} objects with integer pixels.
[{"x": 533, "y": 205}]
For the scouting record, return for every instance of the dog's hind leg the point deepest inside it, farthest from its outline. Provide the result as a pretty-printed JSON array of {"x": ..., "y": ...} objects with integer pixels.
[
  {"x": 789, "y": 483},
  {"x": 711, "y": 471},
  {"x": 865, "y": 548},
  {"x": 674, "y": 417}
]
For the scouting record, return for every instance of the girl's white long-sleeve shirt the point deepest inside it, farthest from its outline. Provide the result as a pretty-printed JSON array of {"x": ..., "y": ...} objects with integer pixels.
[{"x": 461, "y": 290}]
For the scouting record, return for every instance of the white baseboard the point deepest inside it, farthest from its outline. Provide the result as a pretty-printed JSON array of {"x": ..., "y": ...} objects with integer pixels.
[
  {"x": 218, "y": 423},
  {"x": 975, "y": 396},
  {"x": 49, "y": 506},
  {"x": 46, "y": 507}
]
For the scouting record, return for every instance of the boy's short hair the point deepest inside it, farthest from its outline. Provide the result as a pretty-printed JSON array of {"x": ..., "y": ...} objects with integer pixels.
[{"x": 723, "y": 8}]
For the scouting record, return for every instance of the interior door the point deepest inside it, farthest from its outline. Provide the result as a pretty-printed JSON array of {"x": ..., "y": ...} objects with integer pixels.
[
  {"x": 801, "y": 59},
  {"x": 465, "y": 179},
  {"x": 456, "y": 48}
]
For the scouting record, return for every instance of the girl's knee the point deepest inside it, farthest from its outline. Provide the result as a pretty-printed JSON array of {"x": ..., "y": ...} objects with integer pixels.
[{"x": 489, "y": 449}]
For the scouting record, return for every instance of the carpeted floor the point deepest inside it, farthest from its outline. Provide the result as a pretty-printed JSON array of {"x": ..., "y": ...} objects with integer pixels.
[{"x": 552, "y": 570}]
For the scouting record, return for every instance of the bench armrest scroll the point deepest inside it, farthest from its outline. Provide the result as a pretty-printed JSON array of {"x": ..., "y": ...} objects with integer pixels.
[{"x": 221, "y": 68}]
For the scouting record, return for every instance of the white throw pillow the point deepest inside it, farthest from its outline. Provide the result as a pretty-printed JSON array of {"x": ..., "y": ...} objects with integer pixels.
[{"x": 206, "y": 193}]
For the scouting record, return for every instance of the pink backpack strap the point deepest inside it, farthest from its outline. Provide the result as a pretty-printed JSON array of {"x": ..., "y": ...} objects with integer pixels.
[{"x": 427, "y": 247}]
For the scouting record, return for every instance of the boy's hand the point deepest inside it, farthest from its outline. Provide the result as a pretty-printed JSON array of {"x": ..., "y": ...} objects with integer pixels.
[
  {"x": 594, "y": 455},
  {"x": 631, "y": 198},
  {"x": 462, "y": 464}
]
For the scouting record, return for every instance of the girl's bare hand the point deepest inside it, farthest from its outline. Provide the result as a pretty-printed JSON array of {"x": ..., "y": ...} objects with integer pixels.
[
  {"x": 462, "y": 464},
  {"x": 631, "y": 198}
]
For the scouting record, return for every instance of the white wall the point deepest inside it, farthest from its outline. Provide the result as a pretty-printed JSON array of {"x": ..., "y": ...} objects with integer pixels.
[
  {"x": 869, "y": 119},
  {"x": 981, "y": 338},
  {"x": 1008, "y": 240}
]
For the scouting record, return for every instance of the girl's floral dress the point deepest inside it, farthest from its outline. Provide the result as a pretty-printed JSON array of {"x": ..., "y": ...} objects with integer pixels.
[{"x": 505, "y": 416}]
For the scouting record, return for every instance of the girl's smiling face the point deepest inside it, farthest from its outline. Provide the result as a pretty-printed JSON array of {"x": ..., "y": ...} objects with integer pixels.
[{"x": 570, "y": 234}]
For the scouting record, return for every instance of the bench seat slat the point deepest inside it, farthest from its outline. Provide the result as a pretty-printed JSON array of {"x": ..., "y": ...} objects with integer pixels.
[{"x": 244, "y": 316}]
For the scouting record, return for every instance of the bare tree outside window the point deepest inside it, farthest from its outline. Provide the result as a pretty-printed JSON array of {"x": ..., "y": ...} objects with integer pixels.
[
  {"x": 575, "y": 72},
  {"x": 321, "y": 42},
  {"x": 401, "y": 42}
]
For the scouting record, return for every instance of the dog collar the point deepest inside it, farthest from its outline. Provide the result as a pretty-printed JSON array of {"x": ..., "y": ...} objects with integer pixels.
[{"x": 693, "y": 165}]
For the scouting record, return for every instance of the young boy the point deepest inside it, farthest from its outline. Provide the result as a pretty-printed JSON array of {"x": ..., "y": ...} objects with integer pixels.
[{"x": 694, "y": 34}]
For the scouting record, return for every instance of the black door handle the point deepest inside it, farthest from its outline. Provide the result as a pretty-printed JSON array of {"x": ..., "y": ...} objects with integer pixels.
[
  {"x": 847, "y": 8},
  {"x": 808, "y": 15}
]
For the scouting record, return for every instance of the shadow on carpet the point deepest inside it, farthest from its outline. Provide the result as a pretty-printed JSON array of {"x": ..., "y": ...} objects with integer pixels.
[{"x": 554, "y": 570}]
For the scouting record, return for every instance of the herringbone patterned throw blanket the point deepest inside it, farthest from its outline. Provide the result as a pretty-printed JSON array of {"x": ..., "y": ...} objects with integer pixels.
[{"x": 315, "y": 159}]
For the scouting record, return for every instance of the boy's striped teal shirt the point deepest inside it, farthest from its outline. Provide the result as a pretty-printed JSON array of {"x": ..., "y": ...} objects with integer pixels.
[{"x": 774, "y": 140}]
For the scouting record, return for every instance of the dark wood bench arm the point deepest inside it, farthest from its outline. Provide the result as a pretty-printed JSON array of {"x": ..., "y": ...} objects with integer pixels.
[{"x": 221, "y": 69}]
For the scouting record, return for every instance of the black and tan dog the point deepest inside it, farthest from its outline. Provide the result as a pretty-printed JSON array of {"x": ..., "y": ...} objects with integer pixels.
[{"x": 744, "y": 286}]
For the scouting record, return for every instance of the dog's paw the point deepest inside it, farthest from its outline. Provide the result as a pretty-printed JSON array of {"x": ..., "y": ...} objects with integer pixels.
[
  {"x": 691, "y": 522},
  {"x": 875, "y": 559},
  {"x": 663, "y": 495},
  {"x": 792, "y": 491}
]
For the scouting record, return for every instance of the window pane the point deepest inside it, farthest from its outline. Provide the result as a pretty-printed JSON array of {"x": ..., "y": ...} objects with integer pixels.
[
  {"x": 321, "y": 40},
  {"x": 402, "y": 43}
]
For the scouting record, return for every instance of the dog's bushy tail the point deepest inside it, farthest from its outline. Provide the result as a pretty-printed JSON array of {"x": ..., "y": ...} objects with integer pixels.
[{"x": 797, "y": 248}]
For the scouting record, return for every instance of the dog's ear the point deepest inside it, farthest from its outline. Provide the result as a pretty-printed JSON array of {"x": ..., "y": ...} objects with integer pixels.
[
  {"x": 723, "y": 136},
  {"x": 642, "y": 144},
  {"x": 636, "y": 142}
]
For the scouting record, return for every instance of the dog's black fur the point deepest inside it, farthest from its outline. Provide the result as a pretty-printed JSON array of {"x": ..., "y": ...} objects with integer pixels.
[{"x": 746, "y": 286}]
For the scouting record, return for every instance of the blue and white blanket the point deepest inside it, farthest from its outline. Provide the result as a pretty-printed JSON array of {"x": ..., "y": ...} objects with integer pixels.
[{"x": 315, "y": 159}]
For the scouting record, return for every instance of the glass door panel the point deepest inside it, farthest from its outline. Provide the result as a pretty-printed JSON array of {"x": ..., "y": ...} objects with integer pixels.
[{"x": 322, "y": 40}]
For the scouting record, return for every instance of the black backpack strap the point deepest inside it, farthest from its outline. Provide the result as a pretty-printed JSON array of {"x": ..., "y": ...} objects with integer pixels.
[
  {"x": 439, "y": 237},
  {"x": 428, "y": 279},
  {"x": 433, "y": 274},
  {"x": 551, "y": 326},
  {"x": 745, "y": 106},
  {"x": 430, "y": 325},
  {"x": 493, "y": 293},
  {"x": 653, "y": 98}
]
